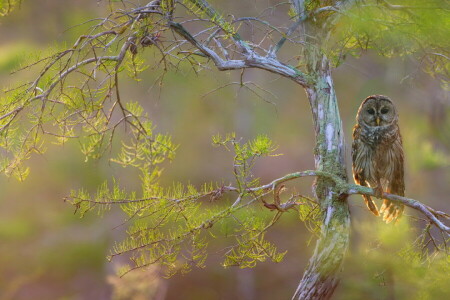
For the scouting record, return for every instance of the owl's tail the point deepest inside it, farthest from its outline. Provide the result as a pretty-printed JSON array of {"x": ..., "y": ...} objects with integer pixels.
[
  {"x": 371, "y": 205},
  {"x": 391, "y": 210}
]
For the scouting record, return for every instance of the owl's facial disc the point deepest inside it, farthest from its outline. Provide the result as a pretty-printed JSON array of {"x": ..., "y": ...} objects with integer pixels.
[{"x": 377, "y": 112}]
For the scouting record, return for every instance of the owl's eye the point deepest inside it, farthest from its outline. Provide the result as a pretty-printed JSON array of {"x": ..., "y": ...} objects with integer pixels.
[
  {"x": 371, "y": 111},
  {"x": 384, "y": 110}
]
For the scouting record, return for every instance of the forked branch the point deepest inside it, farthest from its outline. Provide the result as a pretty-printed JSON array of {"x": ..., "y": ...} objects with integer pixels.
[{"x": 251, "y": 59}]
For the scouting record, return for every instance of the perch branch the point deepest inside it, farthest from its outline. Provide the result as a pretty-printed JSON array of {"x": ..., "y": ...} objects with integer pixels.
[
  {"x": 429, "y": 212},
  {"x": 346, "y": 189}
]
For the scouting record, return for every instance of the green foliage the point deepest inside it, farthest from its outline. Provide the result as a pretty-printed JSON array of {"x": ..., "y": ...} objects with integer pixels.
[
  {"x": 55, "y": 109},
  {"x": 391, "y": 263},
  {"x": 310, "y": 214},
  {"x": 419, "y": 28},
  {"x": 245, "y": 156},
  {"x": 203, "y": 10},
  {"x": 7, "y": 6},
  {"x": 14, "y": 138},
  {"x": 252, "y": 247},
  {"x": 76, "y": 96},
  {"x": 135, "y": 66},
  {"x": 170, "y": 225}
]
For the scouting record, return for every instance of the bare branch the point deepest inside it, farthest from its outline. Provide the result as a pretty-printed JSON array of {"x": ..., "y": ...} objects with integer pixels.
[
  {"x": 429, "y": 212},
  {"x": 251, "y": 60}
]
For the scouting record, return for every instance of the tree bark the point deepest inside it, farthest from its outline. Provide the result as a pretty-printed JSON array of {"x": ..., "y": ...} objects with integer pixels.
[{"x": 322, "y": 274}]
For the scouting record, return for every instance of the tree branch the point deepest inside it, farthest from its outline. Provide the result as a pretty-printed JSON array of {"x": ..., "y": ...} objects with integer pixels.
[
  {"x": 351, "y": 189},
  {"x": 345, "y": 189},
  {"x": 212, "y": 14},
  {"x": 251, "y": 59},
  {"x": 429, "y": 212}
]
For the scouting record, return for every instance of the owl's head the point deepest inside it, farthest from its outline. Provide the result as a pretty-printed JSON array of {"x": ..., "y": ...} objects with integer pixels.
[{"x": 377, "y": 110}]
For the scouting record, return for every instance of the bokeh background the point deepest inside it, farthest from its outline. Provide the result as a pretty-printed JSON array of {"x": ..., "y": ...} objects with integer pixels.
[{"x": 48, "y": 252}]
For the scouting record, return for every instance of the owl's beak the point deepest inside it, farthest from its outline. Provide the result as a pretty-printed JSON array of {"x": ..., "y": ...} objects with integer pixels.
[{"x": 377, "y": 120}]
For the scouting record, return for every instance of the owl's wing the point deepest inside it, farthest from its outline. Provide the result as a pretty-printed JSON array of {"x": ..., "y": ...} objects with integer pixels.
[
  {"x": 393, "y": 210},
  {"x": 397, "y": 184},
  {"x": 358, "y": 168}
]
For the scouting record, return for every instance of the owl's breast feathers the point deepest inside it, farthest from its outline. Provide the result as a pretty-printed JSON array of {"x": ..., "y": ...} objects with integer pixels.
[
  {"x": 375, "y": 151},
  {"x": 378, "y": 136}
]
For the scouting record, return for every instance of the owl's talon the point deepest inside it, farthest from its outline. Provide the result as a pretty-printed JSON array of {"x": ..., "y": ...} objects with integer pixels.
[{"x": 378, "y": 192}]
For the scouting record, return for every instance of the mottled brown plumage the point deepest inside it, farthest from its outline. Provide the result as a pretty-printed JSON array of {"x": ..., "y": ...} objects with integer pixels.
[{"x": 377, "y": 154}]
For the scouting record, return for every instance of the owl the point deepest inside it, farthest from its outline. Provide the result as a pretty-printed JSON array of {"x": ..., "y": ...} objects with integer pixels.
[{"x": 377, "y": 154}]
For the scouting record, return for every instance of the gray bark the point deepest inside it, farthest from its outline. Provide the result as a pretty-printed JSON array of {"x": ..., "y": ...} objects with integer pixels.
[{"x": 322, "y": 274}]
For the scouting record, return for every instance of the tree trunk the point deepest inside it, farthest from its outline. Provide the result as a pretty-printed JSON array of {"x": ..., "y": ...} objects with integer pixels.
[{"x": 322, "y": 274}]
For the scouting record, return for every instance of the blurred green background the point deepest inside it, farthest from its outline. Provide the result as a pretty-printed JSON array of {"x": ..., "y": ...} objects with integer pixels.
[{"x": 47, "y": 252}]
